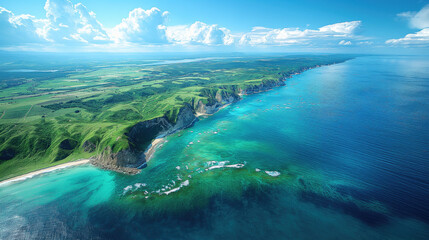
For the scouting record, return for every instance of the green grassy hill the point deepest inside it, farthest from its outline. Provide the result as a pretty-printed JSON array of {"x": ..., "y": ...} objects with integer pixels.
[{"x": 48, "y": 118}]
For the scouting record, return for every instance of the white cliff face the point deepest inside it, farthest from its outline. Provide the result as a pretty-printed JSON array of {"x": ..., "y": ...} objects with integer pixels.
[
  {"x": 185, "y": 118},
  {"x": 221, "y": 99}
]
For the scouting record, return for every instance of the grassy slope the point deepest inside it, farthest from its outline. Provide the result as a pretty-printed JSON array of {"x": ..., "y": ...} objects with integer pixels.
[{"x": 100, "y": 103}]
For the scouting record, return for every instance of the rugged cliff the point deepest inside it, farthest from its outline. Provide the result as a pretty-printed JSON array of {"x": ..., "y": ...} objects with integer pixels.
[
  {"x": 141, "y": 134},
  {"x": 140, "y": 137},
  {"x": 216, "y": 100},
  {"x": 264, "y": 86}
]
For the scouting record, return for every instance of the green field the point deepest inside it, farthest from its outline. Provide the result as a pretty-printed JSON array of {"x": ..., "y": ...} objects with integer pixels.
[{"x": 48, "y": 114}]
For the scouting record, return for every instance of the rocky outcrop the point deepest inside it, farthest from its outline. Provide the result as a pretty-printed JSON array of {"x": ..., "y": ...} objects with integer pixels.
[
  {"x": 221, "y": 99},
  {"x": 123, "y": 161},
  {"x": 140, "y": 137},
  {"x": 185, "y": 118},
  {"x": 89, "y": 146},
  {"x": 264, "y": 86}
]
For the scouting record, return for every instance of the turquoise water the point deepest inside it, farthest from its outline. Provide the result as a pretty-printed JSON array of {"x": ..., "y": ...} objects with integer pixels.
[{"x": 340, "y": 152}]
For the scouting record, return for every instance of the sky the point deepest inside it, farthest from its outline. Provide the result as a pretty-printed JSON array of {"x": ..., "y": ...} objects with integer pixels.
[{"x": 395, "y": 26}]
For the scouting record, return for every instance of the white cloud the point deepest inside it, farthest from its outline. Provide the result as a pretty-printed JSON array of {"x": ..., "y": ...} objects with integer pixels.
[
  {"x": 345, "y": 43},
  {"x": 141, "y": 26},
  {"x": 418, "y": 20},
  {"x": 340, "y": 29},
  {"x": 64, "y": 22},
  {"x": 288, "y": 36},
  {"x": 19, "y": 29},
  {"x": 199, "y": 33},
  {"x": 71, "y": 23},
  {"x": 419, "y": 38}
]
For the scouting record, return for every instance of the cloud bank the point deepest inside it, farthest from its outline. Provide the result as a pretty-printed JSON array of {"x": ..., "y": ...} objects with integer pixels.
[
  {"x": 69, "y": 24},
  {"x": 419, "y": 20},
  {"x": 199, "y": 33},
  {"x": 291, "y": 36},
  {"x": 73, "y": 24}
]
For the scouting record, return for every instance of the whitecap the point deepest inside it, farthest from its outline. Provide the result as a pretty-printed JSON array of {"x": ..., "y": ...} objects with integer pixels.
[
  {"x": 273, "y": 173},
  {"x": 139, "y": 185},
  {"x": 238, "y": 165},
  {"x": 127, "y": 188},
  {"x": 183, "y": 184},
  {"x": 223, "y": 164}
]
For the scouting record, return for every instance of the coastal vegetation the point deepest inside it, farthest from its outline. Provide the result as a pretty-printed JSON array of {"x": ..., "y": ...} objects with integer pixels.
[{"x": 53, "y": 116}]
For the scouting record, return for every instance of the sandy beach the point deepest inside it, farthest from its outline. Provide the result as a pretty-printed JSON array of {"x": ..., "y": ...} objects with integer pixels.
[
  {"x": 45, "y": 170},
  {"x": 155, "y": 143}
]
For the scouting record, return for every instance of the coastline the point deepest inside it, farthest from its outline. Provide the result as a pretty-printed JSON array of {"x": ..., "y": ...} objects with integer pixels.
[
  {"x": 44, "y": 170},
  {"x": 199, "y": 114},
  {"x": 157, "y": 142},
  {"x": 153, "y": 146}
]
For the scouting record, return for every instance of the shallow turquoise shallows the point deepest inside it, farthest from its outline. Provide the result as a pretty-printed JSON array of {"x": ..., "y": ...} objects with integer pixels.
[{"x": 340, "y": 152}]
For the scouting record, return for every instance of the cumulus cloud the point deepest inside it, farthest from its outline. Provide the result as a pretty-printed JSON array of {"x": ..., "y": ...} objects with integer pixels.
[
  {"x": 19, "y": 29},
  {"x": 64, "y": 22},
  {"x": 68, "y": 23},
  {"x": 199, "y": 33},
  {"x": 141, "y": 26},
  {"x": 419, "y": 38},
  {"x": 288, "y": 36},
  {"x": 419, "y": 20}
]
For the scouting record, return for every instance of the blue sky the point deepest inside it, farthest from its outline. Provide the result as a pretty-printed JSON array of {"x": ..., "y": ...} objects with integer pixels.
[{"x": 240, "y": 25}]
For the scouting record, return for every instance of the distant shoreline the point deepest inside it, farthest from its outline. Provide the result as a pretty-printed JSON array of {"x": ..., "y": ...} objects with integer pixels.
[{"x": 44, "y": 170}]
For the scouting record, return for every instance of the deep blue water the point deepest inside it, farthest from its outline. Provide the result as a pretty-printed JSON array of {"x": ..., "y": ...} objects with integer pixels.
[{"x": 340, "y": 152}]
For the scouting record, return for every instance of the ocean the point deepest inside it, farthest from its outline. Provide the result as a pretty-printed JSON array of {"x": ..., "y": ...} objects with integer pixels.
[{"x": 340, "y": 152}]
